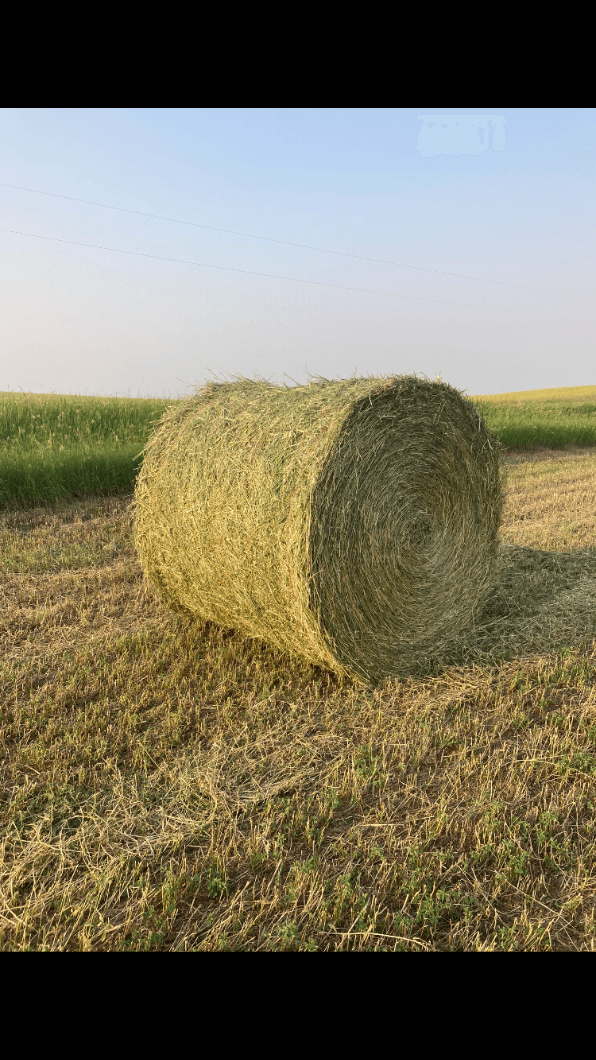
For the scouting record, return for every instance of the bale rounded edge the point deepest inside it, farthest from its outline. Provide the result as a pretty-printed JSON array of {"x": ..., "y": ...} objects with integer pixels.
[{"x": 353, "y": 523}]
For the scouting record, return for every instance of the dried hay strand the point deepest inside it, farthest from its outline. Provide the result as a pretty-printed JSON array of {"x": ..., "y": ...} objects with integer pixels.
[{"x": 351, "y": 522}]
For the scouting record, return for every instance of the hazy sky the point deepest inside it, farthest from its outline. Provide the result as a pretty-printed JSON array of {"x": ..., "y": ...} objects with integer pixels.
[{"x": 497, "y": 194}]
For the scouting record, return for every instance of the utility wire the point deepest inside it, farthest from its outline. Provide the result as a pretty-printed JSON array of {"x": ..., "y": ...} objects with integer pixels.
[
  {"x": 272, "y": 276},
  {"x": 285, "y": 243}
]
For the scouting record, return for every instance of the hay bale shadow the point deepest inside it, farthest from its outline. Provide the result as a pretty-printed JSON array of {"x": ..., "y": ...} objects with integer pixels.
[{"x": 541, "y": 602}]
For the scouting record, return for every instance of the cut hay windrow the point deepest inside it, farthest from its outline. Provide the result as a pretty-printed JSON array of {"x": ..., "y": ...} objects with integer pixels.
[{"x": 351, "y": 522}]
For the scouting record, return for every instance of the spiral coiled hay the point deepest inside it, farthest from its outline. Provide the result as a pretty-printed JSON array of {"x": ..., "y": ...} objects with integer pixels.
[{"x": 351, "y": 522}]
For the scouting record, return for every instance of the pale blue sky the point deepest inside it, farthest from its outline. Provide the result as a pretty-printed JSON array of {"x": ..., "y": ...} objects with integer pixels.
[{"x": 500, "y": 194}]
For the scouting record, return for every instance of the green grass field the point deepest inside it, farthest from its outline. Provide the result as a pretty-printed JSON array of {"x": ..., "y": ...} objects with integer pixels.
[
  {"x": 57, "y": 446},
  {"x": 534, "y": 418}
]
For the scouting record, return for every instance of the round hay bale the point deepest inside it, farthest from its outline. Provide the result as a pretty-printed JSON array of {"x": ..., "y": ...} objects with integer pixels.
[{"x": 351, "y": 522}]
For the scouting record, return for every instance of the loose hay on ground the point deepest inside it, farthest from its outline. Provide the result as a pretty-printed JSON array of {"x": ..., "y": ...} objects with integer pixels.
[{"x": 351, "y": 522}]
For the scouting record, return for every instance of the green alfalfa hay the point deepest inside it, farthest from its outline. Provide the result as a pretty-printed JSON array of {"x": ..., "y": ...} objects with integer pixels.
[{"x": 351, "y": 522}]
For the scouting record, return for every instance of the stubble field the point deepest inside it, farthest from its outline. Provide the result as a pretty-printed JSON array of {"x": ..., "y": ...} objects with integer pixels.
[{"x": 168, "y": 785}]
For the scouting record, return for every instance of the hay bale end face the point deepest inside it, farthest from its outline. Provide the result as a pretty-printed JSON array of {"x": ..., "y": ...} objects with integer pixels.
[{"x": 351, "y": 522}]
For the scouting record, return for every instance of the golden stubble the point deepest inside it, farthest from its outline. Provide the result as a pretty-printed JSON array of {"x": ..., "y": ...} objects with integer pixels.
[
  {"x": 170, "y": 785},
  {"x": 67, "y": 576},
  {"x": 551, "y": 499}
]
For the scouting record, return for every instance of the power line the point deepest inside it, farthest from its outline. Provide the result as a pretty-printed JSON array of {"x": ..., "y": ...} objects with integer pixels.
[
  {"x": 284, "y": 242},
  {"x": 272, "y": 276}
]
